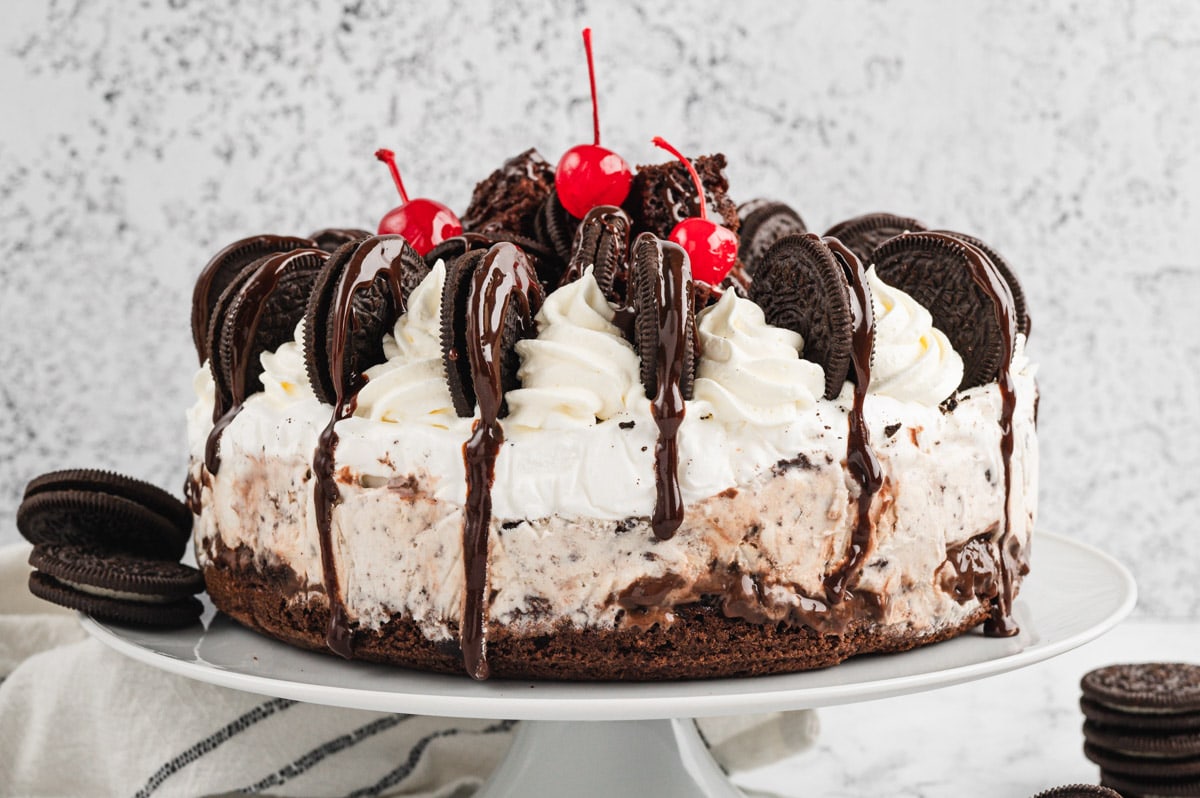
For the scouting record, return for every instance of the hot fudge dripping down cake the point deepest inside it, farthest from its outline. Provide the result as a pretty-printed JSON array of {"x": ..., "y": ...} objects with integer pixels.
[{"x": 611, "y": 425}]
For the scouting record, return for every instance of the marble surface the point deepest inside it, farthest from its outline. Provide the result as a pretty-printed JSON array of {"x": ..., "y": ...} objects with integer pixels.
[
  {"x": 1008, "y": 736},
  {"x": 138, "y": 139}
]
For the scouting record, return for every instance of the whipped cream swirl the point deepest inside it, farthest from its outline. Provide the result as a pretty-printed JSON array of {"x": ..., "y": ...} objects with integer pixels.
[
  {"x": 411, "y": 384},
  {"x": 579, "y": 369},
  {"x": 284, "y": 375},
  {"x": 750, "y": 371},
  {"x": 914, "y": 361}
]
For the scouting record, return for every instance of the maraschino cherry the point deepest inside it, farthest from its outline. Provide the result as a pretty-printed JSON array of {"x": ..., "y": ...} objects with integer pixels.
[
  {"x": 588, "y": 174},
  {"x": 424, "y": 223},
  {"x": 711, "y": 248}
]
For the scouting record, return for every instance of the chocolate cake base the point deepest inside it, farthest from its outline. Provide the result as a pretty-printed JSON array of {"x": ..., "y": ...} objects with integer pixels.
[{"x": 700, "y": 643}]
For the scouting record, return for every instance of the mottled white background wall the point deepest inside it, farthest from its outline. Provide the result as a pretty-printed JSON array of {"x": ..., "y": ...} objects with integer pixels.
[{"x": 136, "y": 139}]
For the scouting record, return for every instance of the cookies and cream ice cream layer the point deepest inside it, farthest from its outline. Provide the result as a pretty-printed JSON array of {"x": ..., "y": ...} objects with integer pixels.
[{"x": 762, "y": 470}]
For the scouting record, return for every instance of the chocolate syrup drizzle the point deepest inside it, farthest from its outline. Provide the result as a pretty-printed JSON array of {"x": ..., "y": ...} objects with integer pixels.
[
  {"x": 991, "y": 282},
  {"x": 674, "y": 299},
  {"x": 372, "y": 260},
  {"x": 504, "y": 276},
  {"x": 254, "y": 292},
  {"x": 861, "y": 462}
]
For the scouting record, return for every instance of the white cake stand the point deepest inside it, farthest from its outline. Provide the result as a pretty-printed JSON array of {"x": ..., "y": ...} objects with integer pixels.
[{"x": 587, "y": 740}]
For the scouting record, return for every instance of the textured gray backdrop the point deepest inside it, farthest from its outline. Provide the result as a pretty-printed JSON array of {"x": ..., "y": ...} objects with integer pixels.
[{"x": 135, "y": 140}]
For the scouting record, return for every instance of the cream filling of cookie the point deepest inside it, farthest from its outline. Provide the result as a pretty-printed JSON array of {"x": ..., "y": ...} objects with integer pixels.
[{"x": 122, "y": 595}]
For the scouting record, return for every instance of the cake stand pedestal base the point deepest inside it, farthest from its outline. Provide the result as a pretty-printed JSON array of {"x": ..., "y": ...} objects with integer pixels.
[{"x": 606, "y": 759}]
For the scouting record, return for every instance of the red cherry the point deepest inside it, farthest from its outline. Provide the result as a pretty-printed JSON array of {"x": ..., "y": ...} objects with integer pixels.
[
  {"x": 711, "y": 248},
  {"x": 588, "y": 174},
  {"x": 424, "y": 223}
]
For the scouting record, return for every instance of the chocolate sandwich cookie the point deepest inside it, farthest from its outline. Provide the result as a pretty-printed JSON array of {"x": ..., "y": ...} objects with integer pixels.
[
  {"x": 1173, "y": 745},
  {"x": 357, "y": 297},
  {"x": 763, "y": 222},
  {"x": 330, "y": 238},
  {"x": 221, "y": 271},
  {"x": 97, "y": 508},
  {"x": 1137, "y": 722},
  {"x": 863, "y": 234},
  {"x": 663, "y": 195},
  {"x": 1148, "y": 687},
  {"x": 548, "y": 265},
  {"x": 86, "y": 568},
  {"x": 802, "y": 287},
  {"x": 1010, "y": 277},
  {"x": 118, "y": 608},
  {"x": 1147, "y": 787},
  {"x": 943, "y": 274},
  {"x": 662, "y": 332},
  {"x": 602, "y": 243},
  {"x": 510, "y": 197},
  {"x": 258, "y": 313},
  {"x": 554, "y": 227},
  {"x": 1078, "y": 791},
  {"x": 1136, "y": 764}
]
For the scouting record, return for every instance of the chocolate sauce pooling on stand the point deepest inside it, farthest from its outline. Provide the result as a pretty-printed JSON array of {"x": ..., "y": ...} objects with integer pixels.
[
  {"x": 374, "y": 259},
  {"x": 861, "y": 461},
  {"x": 505, "y": 283}
]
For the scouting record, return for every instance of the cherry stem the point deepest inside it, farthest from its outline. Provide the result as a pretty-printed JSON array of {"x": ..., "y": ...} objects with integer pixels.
[
  {"x": 587, "y": 46},
  {"x": 661, "y": 143},
  {"x": 389, "y": 158}
]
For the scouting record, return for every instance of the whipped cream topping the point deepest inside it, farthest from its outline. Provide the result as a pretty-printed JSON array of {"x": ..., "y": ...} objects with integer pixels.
[
  {"x": 579, "y": 369},
  {"x": 284, "y": 375},
  {"x": 411, "y": 384},
  {"x": 913, "y": 360},
  {"x": 750, "y": 371}
]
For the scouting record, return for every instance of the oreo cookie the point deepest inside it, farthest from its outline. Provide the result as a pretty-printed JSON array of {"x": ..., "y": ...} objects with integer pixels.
[
  {"x": 1014, "y": 285},
  {"x": 1147, "y": 787},
  {"x": 1139, "y": 764},
  {"x": 1139, "y": 721},
  {"x": 802, "y": 287},
  {"x": 1078, "y": 791},
  {"x": 763, "y": 222},
  {"x": 97, "y": 508},
  {"x": 659, "y": 329},
  {"x": 1173, "y": 745},
  {"x": 170, "y": 614},
  {"x": 546, "y": 263},
  {"x": 330, "y": 238},
  {"x": 357, "y": 297},
  {"x": 488, "y": 304},
  {"x": 863, "y": 234},
  {"x": 554, "y": 228},
  {"x": 83, "y": 567},
  {"x": 1145, "y": 688},
  {"x": 663, "y": 195},
  {"x": 510, "y": 198},
  {"x": 602, "y": 243},
  {"x": 257, "y": 313},
  {"x": 936, "y": 271},
  {"x": 221, "y": 271}
]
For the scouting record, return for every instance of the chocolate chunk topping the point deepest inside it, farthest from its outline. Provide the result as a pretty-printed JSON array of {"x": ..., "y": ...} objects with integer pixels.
[
  {"x": 142, "y": 613},
  {"x": 256, "y": 314},
  {"x": 935, "y": 270},
  {"x": 94, "y": 518},
  {"x": 150, "y": 496},
  {"x": 763, "y": 222},
  {"x": 1148, "y": 686},
  {"x": 863, "y": 234},
  {"x": 802, "y": 287},
  {"x": 554, "y": 228},
  {"x": 510, "y": 197},
  {"x": 602, "y": 243},
  {"x": 663, "y": 195},
  {"x": 126, "y": 573},
  {"x": 345, "y": 320},
  {"x": 330, "y": 238},
  {"x": 222, "y": 270},
  {"x": 646, "y": 296},
  {"x": 1006, "y": 271}
]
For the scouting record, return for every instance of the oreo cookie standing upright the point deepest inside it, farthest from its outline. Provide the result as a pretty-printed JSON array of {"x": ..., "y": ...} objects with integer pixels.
[
  {"x": 763, "y": 222},
  {"x": 862, "y": 234}
]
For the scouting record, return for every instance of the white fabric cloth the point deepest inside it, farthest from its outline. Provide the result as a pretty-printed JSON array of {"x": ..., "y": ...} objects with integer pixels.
[{"x": 76, "y": 718}]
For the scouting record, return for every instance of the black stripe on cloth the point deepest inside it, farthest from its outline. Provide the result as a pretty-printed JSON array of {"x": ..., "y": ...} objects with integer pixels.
[
  {"x": 414, "y": 757},
  {"x": 316, "y": 755},
  {"x": 212, "y": 742}
]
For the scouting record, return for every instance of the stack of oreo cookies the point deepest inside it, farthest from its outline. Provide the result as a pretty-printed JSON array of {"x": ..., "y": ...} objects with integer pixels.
[
  {"x": 110, "y": 546},
  {"x": 1142, "y": 727}
]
